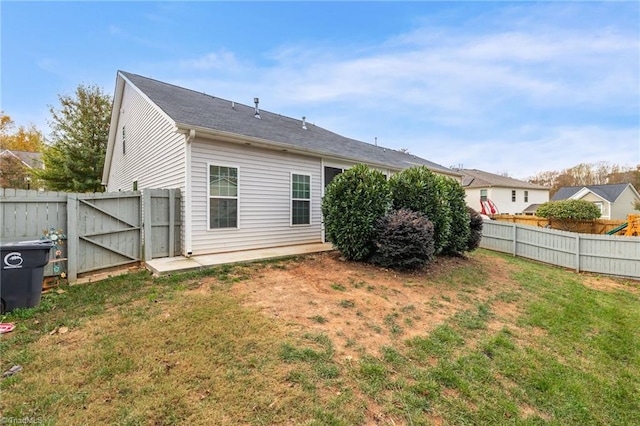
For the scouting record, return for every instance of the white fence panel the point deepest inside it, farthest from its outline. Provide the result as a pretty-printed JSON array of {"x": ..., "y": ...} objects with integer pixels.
[{"x": 605, "y": 254}]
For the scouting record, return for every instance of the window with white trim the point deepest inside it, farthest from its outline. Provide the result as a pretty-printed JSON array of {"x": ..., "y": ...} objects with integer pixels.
[
  {"x": 526, "y": 196},
  {"x": 513, "y": 195},
  {"x": 300, "y": 199},
  {"x": 600, "y": 205},
  {"x": 483, "y": 195},
  {"x": 223, "y": 197}
]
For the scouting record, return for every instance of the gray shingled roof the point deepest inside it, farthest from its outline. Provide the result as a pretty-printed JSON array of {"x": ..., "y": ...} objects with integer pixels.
[
  {"x": 474, "y": 178},
  {"x": 190, "y": 108},
  {"x": 608, "y": 192},
  {"x": 31, "y": 159}
]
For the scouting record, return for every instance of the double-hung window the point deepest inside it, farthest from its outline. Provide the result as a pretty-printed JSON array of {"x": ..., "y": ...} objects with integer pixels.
[
  {"x": 223, "y": 197},
  {"x": 300, "y": 199},
  {"x": 513, "y": 195}
]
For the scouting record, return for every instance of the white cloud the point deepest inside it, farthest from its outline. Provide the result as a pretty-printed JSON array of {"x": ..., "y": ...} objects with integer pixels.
[
  {"x": 524, "y": 95},
  {"x": 223, "y": 60}
]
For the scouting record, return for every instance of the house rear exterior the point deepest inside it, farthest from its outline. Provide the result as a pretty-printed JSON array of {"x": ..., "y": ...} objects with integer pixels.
[
  {"x": 510, "y": 196},
  {"x": 249, "y": 178}
]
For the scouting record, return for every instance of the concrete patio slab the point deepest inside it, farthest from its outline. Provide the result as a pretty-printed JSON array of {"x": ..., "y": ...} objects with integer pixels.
[{"x": 168, "y": 265}]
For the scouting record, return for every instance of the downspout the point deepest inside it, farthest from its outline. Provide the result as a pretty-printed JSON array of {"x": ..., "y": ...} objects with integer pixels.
[{"x": 188, "y": 237}]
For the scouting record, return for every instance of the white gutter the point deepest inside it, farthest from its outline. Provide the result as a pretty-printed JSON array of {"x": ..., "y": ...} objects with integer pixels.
[
  {"x": 188, "y": 228},
  {"x": 265, "y": 143}
]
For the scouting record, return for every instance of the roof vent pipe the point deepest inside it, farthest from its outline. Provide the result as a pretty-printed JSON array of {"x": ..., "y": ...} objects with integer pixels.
[
  {"x": 233, "y": 105},
  {"x": 304, "y": 123},
  {"x": 257, "y": 114},
  {"x": 376, "y": 140}
]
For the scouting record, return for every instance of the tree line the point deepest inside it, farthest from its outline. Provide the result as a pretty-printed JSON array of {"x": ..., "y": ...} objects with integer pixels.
[
  {"x": 599, "y": 173},
  {"x": 73, "y": 154}
]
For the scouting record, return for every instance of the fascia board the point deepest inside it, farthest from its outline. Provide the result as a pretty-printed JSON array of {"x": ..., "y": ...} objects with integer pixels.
[{"x": 265, "y": 143}]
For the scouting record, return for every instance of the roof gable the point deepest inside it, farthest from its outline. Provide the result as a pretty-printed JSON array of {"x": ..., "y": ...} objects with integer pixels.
[
  {"x": 606, "y": 192},
  {"x": 191, "y": 109}
]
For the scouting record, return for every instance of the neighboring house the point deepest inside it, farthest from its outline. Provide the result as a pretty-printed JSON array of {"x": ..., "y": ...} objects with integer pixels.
[
  {"x": 615, "y": 201},
  {"x": 249, "y": 178},
  {"x": 15, "y": 166},
  {"x": 508, "y": 195}
]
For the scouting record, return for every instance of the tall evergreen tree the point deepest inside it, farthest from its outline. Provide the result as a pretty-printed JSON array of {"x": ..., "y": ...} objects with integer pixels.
[{"x": 78, "y": 143}]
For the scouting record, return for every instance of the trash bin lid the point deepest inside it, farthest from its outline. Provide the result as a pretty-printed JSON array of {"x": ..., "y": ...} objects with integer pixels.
[{"x": 21, "y": 245}]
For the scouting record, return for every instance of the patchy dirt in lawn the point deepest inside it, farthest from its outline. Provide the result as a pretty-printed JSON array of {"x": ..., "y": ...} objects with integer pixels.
[
  {"x": 610, "y": 285},
  {"x": 363, "y": 308}
]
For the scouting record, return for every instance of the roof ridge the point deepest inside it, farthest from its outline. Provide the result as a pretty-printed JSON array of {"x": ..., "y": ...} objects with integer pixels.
[
  {"x": 207, "y": 111},
  {"x": 189, "y": 90}
]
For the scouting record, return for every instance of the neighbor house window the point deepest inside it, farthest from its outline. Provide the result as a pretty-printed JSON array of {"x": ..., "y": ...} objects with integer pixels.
[
  {"x": 300, "y": 199},
  {"x": 526, "y": 196},
  {"x": 223, "y": 197},
  {"x": 513, "y": 195},
  {"x": 600, "y": 206},
  {"x": 124, "y": 137},
  {"x": 483, "y": 195}
]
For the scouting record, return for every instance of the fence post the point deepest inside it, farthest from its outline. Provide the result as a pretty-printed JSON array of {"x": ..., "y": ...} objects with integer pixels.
[
  {"x": 577, "y": 252},
  {"x": 172, "y": 218},
  {"x": 515, "y": 239},
  {"x": 73, "y": 239},
  {"x": 146, "y": 225}
]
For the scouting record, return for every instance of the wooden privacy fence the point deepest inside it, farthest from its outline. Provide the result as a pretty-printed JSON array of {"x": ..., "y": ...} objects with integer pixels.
[
  {"x": 605, "y": 254},
  {"x": 103, "y": 230},
  {"x": 597, "y": 226}
]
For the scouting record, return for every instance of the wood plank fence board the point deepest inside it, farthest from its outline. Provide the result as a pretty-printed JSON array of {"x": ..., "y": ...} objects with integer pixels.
[{"x": 103, "y": 230}]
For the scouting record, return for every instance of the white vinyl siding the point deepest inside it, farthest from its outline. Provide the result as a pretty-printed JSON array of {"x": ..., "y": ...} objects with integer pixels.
[
  {"x": 502, "y": 198},
  {"x": 300, "y": 199},
  {"x": 264, "y": 197},
  {"x": 154, "y": 150}
]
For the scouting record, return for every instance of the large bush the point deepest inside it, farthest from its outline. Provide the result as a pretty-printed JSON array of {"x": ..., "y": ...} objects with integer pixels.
[
  {"x": 404, "y": 240},
  {"x": 352, "y": 204},
  {"x": 418, "y": 189},
  {"x": 475, "y": 225},
  {"x": 454, "y": 195},
  {"x": 569, "y": 209}
]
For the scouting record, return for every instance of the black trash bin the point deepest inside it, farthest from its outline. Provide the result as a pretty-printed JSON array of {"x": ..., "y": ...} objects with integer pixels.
[{"x": 22, "y": 273}]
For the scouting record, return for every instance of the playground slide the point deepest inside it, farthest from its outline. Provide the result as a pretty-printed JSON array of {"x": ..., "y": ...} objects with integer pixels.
[
  {"x": 618, "y": 229},
  {"x": 488, "y": 207}
]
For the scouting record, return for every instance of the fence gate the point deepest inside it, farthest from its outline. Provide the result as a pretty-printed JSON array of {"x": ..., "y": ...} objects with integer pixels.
[{"x": 106, "y": 231}]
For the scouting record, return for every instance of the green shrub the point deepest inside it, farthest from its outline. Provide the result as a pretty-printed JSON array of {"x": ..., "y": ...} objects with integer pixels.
[
  {"x": 352, "y": 204},
  {"x": 569, "y": 209},
  {"x": 404, "y": 240},
  {"x": 454, "y": 195},
  {"x": 418, "y": 189},
  {"x": 475, "y": 234}
]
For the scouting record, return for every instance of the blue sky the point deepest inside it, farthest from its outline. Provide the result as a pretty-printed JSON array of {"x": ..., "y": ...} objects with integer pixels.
[{"x": 505, "y": 87}]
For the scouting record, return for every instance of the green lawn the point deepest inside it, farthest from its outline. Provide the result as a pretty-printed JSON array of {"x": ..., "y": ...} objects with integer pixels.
[{"x": 138, "y": 350}]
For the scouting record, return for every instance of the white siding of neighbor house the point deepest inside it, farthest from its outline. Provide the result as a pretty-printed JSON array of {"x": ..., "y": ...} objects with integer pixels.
[
  {"x": 472, "y": 196},
  {"x": 501, "y": 197},
  {"x": 154, "y": 150},
  {"x": 623, "y": 206},
  {"x": 264, "y": 197}
]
